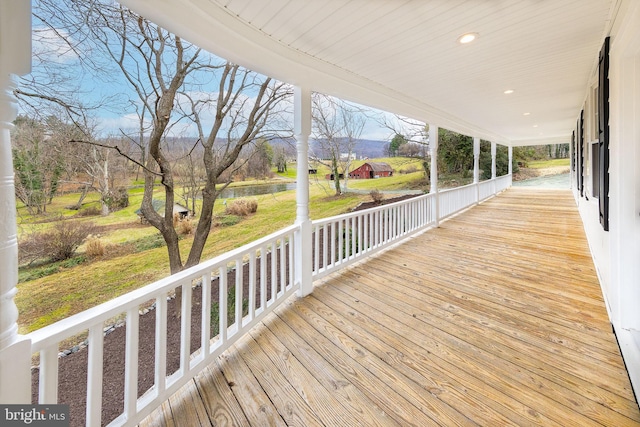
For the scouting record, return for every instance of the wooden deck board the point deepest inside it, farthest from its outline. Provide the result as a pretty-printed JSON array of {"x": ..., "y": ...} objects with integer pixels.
[
  {"x": 319, "y": 399},
  {"x": 329, "y": 376},
  {"x": 494, "y": 318},
  {"x": 221, "y": 405}
]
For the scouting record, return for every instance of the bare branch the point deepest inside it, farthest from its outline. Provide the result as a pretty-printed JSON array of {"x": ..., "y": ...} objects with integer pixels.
[{"x": 116, "y": 148}]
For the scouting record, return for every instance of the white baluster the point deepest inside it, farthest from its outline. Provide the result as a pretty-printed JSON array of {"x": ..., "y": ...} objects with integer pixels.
[
  {"x": 131, "y": 362},
  {"x": 48, "y": 383},
  {"x": 205, "y": 339},
  {"x": 185, "y": 328},
  {"x": 94, "y": 375}
]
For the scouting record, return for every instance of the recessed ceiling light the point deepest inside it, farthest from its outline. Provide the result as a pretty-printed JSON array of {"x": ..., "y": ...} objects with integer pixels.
[
  {"x": 535, "y": 126},
  {"x": 467, "y": 38},
  {"x": 526, "y": 114},
  {"x": 508, "y": 91}
]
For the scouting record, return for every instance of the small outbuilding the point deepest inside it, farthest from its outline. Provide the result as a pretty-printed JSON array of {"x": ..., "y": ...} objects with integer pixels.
[
  {"x": 372, "y": 170},
  {"x": 179, "y": 211}
]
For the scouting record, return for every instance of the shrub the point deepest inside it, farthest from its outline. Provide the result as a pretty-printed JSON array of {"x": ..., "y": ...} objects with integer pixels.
[
  {"x": 94, "y": 247},
  {"x": 376, "y": 196},
  {"x": 409, "y": 169},
  {"x": 57, "y": 244},
  {"x": 92, "y": 211},
  {"x": 63, "y": 241},
  {"x": 31, "y": 249},
  {"x": 226, "y": 220},
  {"x": 184, "y": 225},
  {"x": 242, "y": 207},
  {"x": 117, "y": 199}
]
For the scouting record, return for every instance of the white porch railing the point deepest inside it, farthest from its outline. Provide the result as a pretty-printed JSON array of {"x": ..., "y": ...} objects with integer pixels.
[
  {"x": 454, "y": 200},
  {"x": 263, "y": 273},
  {"x": 269, "y": 283},
  {"x": 341, "y": 240},
  {"x": 486, "y": 189},
  {"x": 502, "y": 183}
]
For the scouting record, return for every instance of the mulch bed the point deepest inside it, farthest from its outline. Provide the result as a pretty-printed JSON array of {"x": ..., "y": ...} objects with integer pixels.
[
  {"x": 369, "y": 205},
  {"x": 72, "y": 371}
]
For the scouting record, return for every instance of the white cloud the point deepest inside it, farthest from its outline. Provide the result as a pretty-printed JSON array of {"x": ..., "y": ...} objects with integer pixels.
[
  {"x": 52, "y": 45},
  {"x": 129, "y": 123}
]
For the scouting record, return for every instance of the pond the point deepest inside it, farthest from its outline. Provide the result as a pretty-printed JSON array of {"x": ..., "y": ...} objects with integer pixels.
[{"x": 255, "y": 190}]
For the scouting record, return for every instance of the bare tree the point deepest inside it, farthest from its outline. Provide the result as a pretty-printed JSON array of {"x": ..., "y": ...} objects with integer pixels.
[
  {"x": 260, "y": 160},
  {"x": 191, "y": 177},
  {"x": 37, "y": 164},
  {"x": 176, "y": 84},
  {"x": 280, "y": 158},
  {"x": 416, "y": 136},
  {"x": 61, "y": 60},
  {"x": 172, "y": 85},
  {"x": 105, "y": 169},
  {"x": 337, "y": 125}
]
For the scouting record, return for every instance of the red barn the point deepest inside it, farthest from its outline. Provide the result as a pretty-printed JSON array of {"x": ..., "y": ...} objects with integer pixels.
[{"x": 371, "y": 170}]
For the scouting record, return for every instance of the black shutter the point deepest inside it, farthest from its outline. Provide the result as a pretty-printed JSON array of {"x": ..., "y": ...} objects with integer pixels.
[
  {"x": 577, "y": 155},
  {"x": 580, "y": 152},
  {"x": 603, "y": 132},
  {"x": 573, "y": 151}
]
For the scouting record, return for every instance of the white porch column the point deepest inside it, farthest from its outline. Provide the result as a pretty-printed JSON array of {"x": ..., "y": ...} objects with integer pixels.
[
  {"x": 433, "y": 146},
  {"x": 493, "y": 160},
  {"x": 476, "y": 160},
  {"x": 15, "y": 58},
  {"x": 476, "y": 166},
  {"x": 303, "y": 239},
  {"x": 510, "y": 165}
]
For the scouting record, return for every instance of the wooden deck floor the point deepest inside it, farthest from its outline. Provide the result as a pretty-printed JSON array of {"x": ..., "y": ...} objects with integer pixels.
[{"x": 495, "y": 318}]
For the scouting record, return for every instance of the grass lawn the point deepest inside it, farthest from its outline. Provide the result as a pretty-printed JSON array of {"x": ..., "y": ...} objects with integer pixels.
[
  {"x": 74, "y": 287},
  {"x": 539, "y": 164},
  {"x": 135, "y": 253}
]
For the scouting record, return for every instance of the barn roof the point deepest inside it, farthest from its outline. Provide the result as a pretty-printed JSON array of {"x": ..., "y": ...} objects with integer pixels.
[{"x": 380, "y": 167}]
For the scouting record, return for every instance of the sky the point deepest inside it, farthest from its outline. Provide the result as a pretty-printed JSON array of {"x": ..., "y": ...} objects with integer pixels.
[{"x": 51, "y": 52}]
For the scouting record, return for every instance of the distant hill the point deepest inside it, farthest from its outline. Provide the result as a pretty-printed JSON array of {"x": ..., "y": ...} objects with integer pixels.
[
  {"x": 364, "y": 148},
  {"x": 371, "y": 148}
]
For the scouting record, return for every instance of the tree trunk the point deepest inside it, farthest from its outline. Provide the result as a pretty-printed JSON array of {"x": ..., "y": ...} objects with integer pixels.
[
  {"x": 83, "y": 195},
  {"x": 105, "y": 188},
  {"x": 336, "y": 175}
]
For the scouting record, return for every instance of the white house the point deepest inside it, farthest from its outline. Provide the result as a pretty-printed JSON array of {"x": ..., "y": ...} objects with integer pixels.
[{"x": 515, "y": 73}]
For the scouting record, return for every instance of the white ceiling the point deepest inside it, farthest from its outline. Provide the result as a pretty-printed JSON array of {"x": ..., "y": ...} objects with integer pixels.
[{"x": 403, "y": 56}]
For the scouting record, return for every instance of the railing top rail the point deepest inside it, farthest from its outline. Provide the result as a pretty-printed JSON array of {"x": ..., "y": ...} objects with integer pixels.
[
  {"x": 374, "y": 209},
  {"x": 79, "y": 322}
]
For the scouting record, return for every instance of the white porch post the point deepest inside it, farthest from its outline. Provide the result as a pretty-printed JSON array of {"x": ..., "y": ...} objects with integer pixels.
[
  {"x": 433, "y": 145},
  {"x": 15, "y": 58},
  {"x": 510, "y": 165},
  {"x": 303, "y": 238},
  {"x": 476, "y": 166},
  {"x": 493, "y": 160},
  {"x": 493, "y": 167}
]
